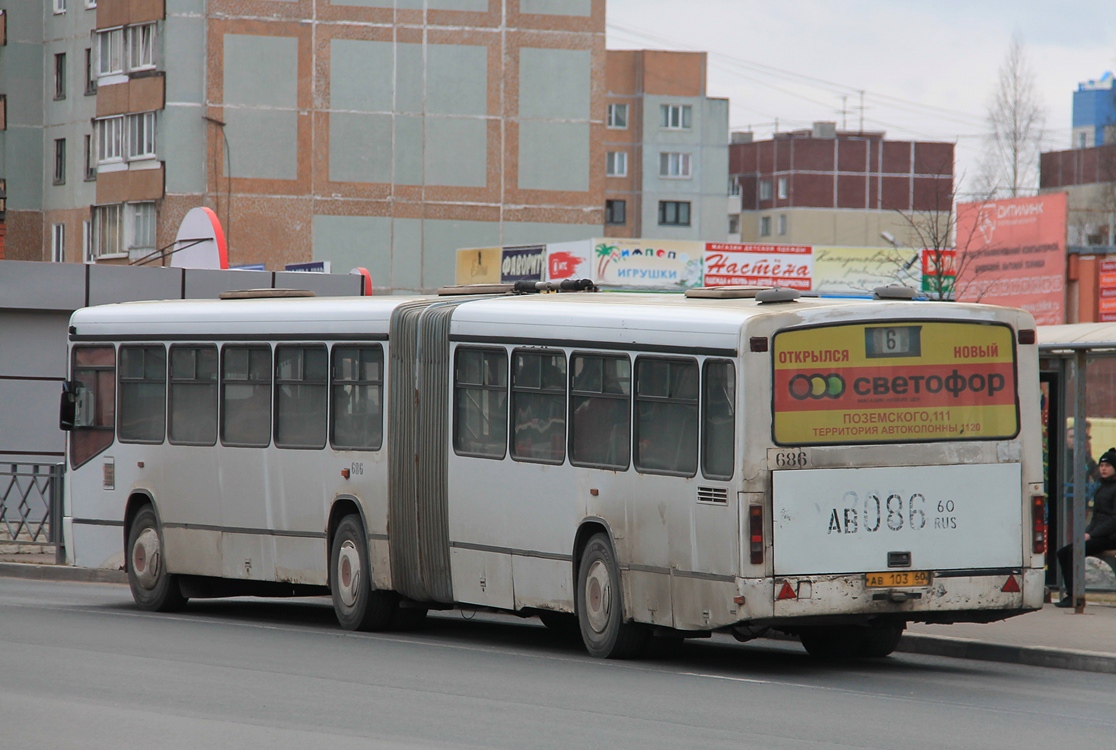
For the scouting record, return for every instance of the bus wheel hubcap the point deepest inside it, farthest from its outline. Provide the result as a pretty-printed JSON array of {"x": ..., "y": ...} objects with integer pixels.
[
  {"x": 348, "y": 573},
  {"x": 598, "y": 596},
  {"x": 146, "y": 558}
]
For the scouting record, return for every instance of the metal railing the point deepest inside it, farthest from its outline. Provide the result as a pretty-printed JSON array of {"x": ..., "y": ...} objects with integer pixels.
[{"x": 31, "y": 505}]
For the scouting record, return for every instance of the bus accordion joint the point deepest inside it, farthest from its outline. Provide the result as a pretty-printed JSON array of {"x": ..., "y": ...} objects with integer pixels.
[{"x": 755, "y": 533}]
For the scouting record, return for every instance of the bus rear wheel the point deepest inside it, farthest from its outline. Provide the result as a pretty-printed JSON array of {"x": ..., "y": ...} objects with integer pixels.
[
  {"x": 153, "y": 588},
  {"x": 600, "y": 605},
  {"x": 357, "y": 605}
]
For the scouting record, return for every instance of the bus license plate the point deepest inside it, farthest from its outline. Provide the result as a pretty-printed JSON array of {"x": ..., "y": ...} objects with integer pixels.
[{"x": 897, "y": 578}]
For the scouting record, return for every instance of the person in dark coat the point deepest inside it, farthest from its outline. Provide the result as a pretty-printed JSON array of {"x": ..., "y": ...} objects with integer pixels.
[{"x": 1100, "y": 535}]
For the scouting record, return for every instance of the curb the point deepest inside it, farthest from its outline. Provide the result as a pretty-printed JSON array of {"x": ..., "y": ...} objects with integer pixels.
[
  {"x": 1032, "y": 656},
  {"x": 61, "y": 573}
]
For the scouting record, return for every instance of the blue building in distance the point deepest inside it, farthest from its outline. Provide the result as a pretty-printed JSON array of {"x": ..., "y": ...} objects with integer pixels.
[{"x": 1094, "y": 109}]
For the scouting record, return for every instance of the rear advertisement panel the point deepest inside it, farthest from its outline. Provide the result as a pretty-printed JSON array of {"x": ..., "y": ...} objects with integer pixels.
[{"x": 896, "y": 382}]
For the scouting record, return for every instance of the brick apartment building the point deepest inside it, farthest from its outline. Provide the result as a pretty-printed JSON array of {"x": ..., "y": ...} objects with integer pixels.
[
  {"x": 666, "y": 147},
  {"x": 376, "y": 133},
  {"x": 829, "y": 187}
]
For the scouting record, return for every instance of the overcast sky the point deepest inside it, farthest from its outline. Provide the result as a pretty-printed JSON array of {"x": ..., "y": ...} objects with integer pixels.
[{"x": 928, "y": 68}]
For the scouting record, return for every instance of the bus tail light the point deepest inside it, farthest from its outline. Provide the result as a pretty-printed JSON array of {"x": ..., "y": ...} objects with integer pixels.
[
  {"x": 755, "y": 533},
  {"x": 1038, "y": 524}
]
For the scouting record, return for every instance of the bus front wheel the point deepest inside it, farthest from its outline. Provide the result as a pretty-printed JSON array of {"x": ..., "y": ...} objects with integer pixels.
[
  {"x": 600, "y": 605},
  {"x": 358, "y": 606},
  {"x": 153, "y": 588}
]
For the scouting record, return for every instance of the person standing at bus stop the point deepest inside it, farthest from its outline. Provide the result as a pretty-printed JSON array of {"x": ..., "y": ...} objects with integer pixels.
[{"x": 1100, "y": 535}]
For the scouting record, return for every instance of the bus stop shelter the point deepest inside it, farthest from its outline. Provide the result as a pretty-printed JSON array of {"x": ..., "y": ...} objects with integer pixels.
[{"x": 1077, "y": 378}]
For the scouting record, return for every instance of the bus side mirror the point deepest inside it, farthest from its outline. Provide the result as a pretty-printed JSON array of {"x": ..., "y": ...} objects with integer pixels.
[{"x": 75, "y": 407}]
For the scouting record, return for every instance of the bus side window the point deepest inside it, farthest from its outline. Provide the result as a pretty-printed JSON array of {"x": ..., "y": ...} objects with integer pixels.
[
  {"x": 358, "y": 390},
  {"x": 143, "y": 394},
  {"x": 718, "y": 435},
  {"x": 301, "y": 416},
  {"x": 600, "y": 411},
  {"x": 246, "y": 396},
  {"x": 192, "y": 395},
  {"x": 666, "y": 416},
  {"x": 539, "y": 407},
  {"x": 94, "y": 368},
  {"x": 480, "y": 402}
]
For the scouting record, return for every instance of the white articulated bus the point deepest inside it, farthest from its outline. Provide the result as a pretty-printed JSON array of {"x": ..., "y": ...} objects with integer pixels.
[{"x": 625, "y": 464}]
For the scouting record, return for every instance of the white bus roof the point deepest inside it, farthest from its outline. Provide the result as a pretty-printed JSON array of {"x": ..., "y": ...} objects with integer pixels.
[{"x": 619, "y": 317}]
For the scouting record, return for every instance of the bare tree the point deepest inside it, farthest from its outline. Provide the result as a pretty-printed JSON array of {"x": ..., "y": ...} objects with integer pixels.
[{"x": 1016, "y": 117}]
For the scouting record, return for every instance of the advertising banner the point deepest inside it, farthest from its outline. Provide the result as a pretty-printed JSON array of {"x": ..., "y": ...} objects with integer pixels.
[
  {"x": 900, "y": 382},
  {"x": 658, "y": 264},
  {"x": 728, "y": 264},
  {"x": 524, "y": 263},
  {"x": 478, "y": 265},
  {"x": 939, "y": 272},
  {"x": 859, "y": 270},
  {"x": 569, "y": 260},
  {"x": 1013, "y": 252},
  {"x": 1107, "y": 303}
]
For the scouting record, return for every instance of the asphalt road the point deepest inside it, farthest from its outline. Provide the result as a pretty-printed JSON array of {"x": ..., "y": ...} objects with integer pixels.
[{"x": 81, "y": 668}]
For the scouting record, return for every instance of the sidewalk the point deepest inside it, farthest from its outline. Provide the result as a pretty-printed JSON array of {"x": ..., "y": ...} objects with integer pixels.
[{"x": 1050, "y": 637}]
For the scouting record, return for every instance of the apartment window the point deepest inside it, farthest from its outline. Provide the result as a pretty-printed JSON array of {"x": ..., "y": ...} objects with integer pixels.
[
  {"x": 141, "y": 136},
  {"x": 674, "y": 164},
  {"x": 59, "y": 161},
  {"x": 301, "y": 395},
  {"x": 357, "y": 416},
  {"x": 675, "y": 116},
  {"x": 480, "y": 402},
  {"x": 90, "y": 159},
  {"x": 782, "y": 188},
  {"x": 765, "y": 190},
  {"x": 143, "y": 393},
  {"x": 87, "y": 241},
  {"x": 617, "y": 164},
  {"x": 600, "y": 411},
  {"x": 666, "y": 420},
  {"x": 58, "y": 243},
  {"x": 618, "y": 116},
  {"x": 90, "y": 4},
  {"x": 765, "y": 226},
  {"x": 140, "y": 225},
  {"x": 59, "y": 6},
  {"x": 60, "y": 76},
  {"x": 733, "y": 224},
  {"x": 674, "y": 213},
  {"x": 615, "y": 212},
  {"x": 123, "y": 227},
  {"x": 90, "y": 74},
  {"x": 110, "y": 52},
  {"x": 246, "y": 396},
  {"x": 108, "y": 230},
  {"x": 192, "y": 408},
  {"x": 782, "y": 223},
  {"x": 718, "y": 406},
  {"x": 734, "y": 187},
  {"x": 110, "y": 139},
  {"x": 539, "y": 407},
  {"x": 140, "y": 43}
]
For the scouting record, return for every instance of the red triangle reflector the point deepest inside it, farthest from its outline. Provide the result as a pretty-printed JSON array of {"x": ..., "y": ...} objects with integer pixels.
[
  {"x": 786, "y": 592},
  {"x": 1011, "y": 587}
]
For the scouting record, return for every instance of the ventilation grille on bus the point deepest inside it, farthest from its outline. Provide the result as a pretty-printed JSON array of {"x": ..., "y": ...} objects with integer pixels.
[{"x": 717, "y": 495}]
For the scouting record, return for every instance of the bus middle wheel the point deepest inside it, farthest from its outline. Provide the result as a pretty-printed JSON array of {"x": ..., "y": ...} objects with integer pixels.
[{"x": 357, "y": 605}]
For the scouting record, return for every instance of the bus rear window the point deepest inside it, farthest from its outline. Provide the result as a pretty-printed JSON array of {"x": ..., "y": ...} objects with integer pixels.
[{"x": 894, "y": 382}]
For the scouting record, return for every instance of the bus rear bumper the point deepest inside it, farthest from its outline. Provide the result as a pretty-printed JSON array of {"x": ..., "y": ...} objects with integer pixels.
[{"x": 950, "y": 596}]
